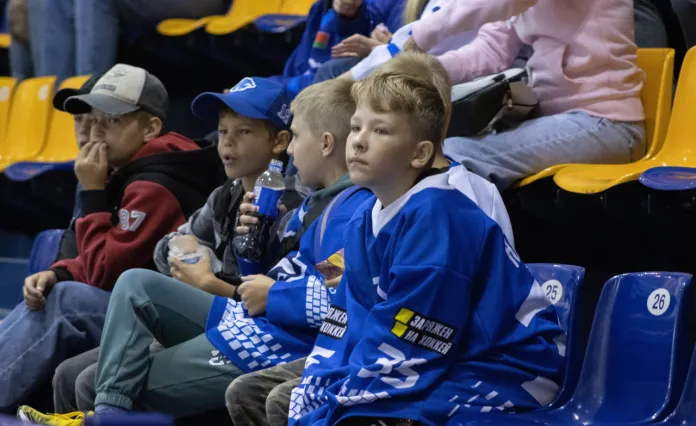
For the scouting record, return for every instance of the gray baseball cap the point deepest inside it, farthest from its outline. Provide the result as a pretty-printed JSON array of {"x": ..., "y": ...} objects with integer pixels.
[{"x": 123, "y": 89}]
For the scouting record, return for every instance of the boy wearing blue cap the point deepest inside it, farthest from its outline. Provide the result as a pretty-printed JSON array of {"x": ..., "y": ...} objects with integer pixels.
[{"x": 211, "y": 340}]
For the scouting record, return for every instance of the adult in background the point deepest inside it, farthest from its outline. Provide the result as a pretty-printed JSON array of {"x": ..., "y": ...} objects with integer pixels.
[
  {"x": 583, "y": 70},
  {"x": 24, "y": 25},
  {"x": 81, "y": 37}
]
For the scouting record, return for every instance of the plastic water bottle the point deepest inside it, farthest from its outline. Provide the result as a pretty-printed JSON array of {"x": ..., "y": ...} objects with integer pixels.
[
  {"x": 250, "y": 247},
  {"x": 185, "y": 249}
]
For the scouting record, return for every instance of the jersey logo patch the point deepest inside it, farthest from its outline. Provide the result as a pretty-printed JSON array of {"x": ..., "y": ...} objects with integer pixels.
[
  {"x": 335, "y": 323},
  {"x": 424, "y": 332},
  {"x": 130, "y": 221}
]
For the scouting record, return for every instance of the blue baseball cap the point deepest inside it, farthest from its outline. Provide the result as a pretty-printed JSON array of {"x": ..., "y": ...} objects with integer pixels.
[{"x": 253, "y": 97}]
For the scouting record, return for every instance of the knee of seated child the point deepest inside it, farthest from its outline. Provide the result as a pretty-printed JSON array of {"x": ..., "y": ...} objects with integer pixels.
[
  {"x": 84, "y": 388},
  {"x": 237, "y": 389}
]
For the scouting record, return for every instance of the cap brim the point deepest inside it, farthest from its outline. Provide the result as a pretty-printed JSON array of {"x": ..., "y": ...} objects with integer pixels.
[
  {"x": 61, "y": 96},
  {"x": 207, "y": 106},
  {"x": 83, "y": 104}
]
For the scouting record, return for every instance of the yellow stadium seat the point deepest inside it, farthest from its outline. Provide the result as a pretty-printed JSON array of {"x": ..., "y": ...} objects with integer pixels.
[
  {"x": 243, "y": 13},
  {"x": 296, "y": 7},
  {"x": 677, "y": 149},
  {"x": 61, "y": 144},
  {"x": 28, "y": 122},
  {"x": 179, "y": 27},
  {"x": 5, "y": 41},
  {"x": 658, "y": 65},
  {"x": 7, "y": 86}
]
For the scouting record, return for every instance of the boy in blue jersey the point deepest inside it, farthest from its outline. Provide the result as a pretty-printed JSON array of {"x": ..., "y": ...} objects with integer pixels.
[{"x": 435, "y": 314}]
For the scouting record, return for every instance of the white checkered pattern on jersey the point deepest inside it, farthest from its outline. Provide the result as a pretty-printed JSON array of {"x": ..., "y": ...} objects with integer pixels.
[
  {"x": 251, "y": 345},
  {"x": 358, "y": 396},
  {"x": 304, "y": 399},
  {"x": 316, "y": 302}
]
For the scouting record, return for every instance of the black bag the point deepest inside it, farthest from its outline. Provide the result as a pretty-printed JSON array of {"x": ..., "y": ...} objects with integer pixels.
[{"x": 477, "y": 106}]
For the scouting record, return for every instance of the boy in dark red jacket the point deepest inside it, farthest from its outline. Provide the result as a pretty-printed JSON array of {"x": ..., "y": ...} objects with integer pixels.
[{"x": 138, "y": 186}]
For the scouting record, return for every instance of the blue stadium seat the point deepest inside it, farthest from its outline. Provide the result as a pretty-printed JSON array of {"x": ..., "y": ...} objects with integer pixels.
[
  {"x": 44, "y": 250},
  {"x": 636, "y": 360},
  {"x": 562, "y": 284},
  {"x": 12, "y": 273},
  {"x": 685, "y": 413}
]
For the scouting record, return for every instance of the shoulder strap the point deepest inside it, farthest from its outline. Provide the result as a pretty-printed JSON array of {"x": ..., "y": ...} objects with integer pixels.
[{"x": 326, "y": 215}]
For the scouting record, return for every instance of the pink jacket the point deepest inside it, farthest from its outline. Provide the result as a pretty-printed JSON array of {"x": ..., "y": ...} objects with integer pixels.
[{"x": 584, "y": 51}]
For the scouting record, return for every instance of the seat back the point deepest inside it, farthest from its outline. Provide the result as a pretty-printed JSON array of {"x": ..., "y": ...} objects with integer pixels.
[
  {"x": 679, "y": 147},
  {"x": 28, "y": 123},
  {"x": 44, "y": 250},
  {"x": 685, "y": 413},
  {"x": 562, "y": 285},
  {"x": 61, "y": 144},
  {"x": 296, "y": 7},
  {"x": 242, "y": 13},
  {"x": 7, "y": 87},
  {"x": 658, "y": 65},
  {"x": 635, "y": 363}
]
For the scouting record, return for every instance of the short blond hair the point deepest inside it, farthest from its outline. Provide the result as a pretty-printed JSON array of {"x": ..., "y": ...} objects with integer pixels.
[
  {"x": 414, "y": 83},
  {"x": 327, "y": 107}
]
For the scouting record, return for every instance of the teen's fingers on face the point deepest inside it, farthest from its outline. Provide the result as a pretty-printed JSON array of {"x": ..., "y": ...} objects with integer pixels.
[
  {"x": 84, "y": 151},
  {"x": 93, "y": 155},
  {"x": 102, "y": 154}
]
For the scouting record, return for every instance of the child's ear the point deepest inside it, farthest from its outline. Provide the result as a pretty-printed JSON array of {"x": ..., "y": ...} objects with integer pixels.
[
  {"x": 328, "y": 143},
  {"x": 423, "y": 155},
  {"x": 153, "y": 129},
  {"x": 282, "y": 142}
]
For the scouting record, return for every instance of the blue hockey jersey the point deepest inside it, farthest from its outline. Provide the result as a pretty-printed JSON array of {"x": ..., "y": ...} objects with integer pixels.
[
  {"x": 294, "y": 308},
  {"x": 436, "y": 314}
]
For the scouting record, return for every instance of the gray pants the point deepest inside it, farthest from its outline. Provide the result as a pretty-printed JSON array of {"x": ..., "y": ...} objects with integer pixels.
[
  {"x": 188, "y": 377},
  {"x": 73, "y": 382},
  {"x": 262, "y": 398}
]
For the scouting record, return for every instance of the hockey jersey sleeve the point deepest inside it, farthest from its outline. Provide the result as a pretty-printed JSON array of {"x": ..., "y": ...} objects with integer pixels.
[
  {"x": 299, "y": 297},
  {"x": 148, "y": 211},
  {"x": 420, "y": 317}
]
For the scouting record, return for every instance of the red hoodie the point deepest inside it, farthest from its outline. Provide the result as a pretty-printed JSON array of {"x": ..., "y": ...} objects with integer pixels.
[{"x": 147, "y": 211}]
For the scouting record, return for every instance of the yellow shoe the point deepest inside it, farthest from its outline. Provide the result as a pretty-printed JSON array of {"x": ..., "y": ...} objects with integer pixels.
[{"x": 28, "y": 414}]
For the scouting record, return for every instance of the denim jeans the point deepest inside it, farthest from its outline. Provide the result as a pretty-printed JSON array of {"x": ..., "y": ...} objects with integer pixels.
[
  {"x": 33, "y": 343},
  {"x": 81, "y": 37},
  {"x": 334, "y": 68},
  {"x": 571, "y": 137},
  {"x": 188, "y": 377}
]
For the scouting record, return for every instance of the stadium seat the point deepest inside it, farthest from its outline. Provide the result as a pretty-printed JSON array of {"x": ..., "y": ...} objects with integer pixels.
[
  {"x": 60, "y": 148},
  {"x": 242, "y": 13},
  {"x": 292, "y": 13},
  {"x": 7, "y": 86},
  {"x": 45, "y": 250},
  {"x": 562, "y": 284},
  {"x": 658, "y": 65},
  {"x": 5, "y": 41},
  {"x": 28, "y": 123},
  {"x": 685, "y": 413},
  {"x": 636, "y": 359},
  {"x": 677, "y": 150}
]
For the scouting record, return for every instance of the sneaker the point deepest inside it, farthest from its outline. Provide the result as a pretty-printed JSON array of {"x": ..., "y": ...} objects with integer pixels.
[{"x": 28, "y": 414}]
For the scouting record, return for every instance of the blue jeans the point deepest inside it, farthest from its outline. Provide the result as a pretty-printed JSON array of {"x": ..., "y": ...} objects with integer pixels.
[
  {"x": 571, "y": 137},
  {"x": 81, "y": 37},
  {"x": 33, "y": 343},
  {"x": 334, "y": 68}
]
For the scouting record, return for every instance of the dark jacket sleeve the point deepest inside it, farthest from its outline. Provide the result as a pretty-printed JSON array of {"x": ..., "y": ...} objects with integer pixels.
[{"x": 147, "y": 213}]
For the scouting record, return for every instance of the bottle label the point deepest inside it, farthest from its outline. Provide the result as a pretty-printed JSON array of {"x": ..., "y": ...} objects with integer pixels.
[{"x": 267, "y": 199}]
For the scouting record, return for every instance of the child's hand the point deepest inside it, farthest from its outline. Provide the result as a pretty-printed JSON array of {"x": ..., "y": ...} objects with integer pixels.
[
  {"x": 246, "y": 210},
  {"x": 333, "y": 283},
  {"x": 355, "y": 45},
  {"x": 381, "y": 33},
  {"x": 254, "y": 292},
  {"x": 91, "y": 166},
  {"x": 197, "y": 275},
  {"x": 35, "y": 287},
  {"x": 347, "y": 8}
]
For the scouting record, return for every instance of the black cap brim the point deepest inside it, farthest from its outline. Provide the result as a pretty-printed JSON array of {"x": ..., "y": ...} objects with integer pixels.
[{"x": 61, "y": 96}]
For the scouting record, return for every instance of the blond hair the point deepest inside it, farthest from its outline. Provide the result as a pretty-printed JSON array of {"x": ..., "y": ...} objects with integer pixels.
[
  {"x": 414, "y": 83},
  {"x": 326, "y": 107},
  {"x": 413, "y": 10}
]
